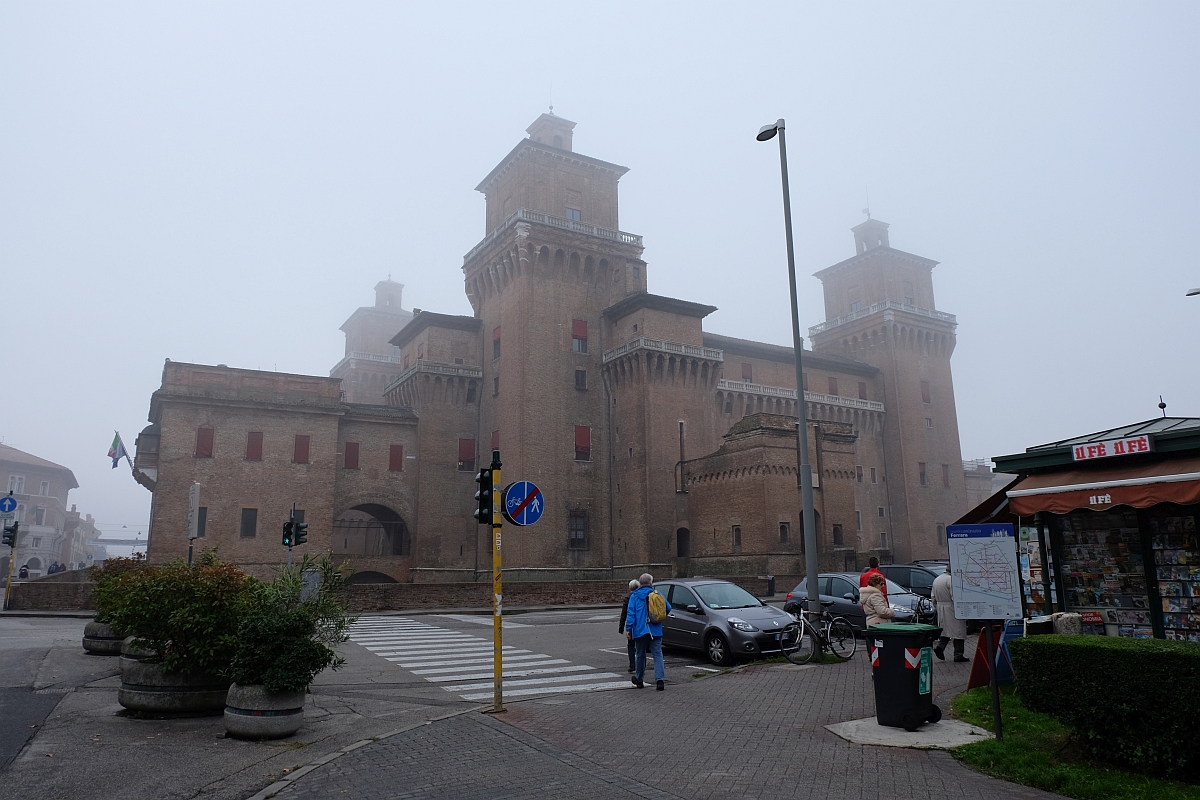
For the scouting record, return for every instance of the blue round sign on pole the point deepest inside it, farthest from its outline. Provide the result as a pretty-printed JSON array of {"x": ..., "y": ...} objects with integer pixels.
[
  {"x": 523, "y": 503},
  {"x": 7, "y": 505}
]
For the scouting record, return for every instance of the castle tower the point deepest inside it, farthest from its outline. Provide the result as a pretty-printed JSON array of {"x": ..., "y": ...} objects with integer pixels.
[
  {"x": 879, "y": 309},
  {"x": 551, "y": 260},
  {"x": 371, "y": 362}
]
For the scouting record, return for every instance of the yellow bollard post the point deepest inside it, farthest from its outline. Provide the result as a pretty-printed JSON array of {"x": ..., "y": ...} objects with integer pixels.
[{"x": 497, "y": 588}]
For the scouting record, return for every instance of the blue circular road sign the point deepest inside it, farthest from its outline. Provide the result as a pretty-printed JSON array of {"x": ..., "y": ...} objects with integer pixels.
[
  {"x": 523, "y": 503},
  {"x": 7, "y": 505}
]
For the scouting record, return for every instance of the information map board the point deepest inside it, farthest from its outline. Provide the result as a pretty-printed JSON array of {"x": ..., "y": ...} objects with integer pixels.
[{"x": 984, "y": 572}]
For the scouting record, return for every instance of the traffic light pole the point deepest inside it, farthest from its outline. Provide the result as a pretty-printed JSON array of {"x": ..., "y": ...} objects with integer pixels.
[
  {"x": 497, "y": 591},
  {"x": 292, "y": 535},
  {"x": 12, "y": 557}
]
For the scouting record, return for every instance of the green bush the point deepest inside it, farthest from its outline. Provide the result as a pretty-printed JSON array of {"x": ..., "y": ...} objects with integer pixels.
[
  {"x": 186, "y": 616},
  {"x": 1131, "y": 701},
  {"x": 284, "y": 641},
  {"x": 105, "y": 594}
]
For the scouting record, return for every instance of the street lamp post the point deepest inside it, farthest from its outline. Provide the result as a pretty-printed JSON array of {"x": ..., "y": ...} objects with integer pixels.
[{"x": 811, "y": 568}]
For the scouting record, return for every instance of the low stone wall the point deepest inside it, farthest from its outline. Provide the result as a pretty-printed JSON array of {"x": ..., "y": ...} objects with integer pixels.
[
  {"x": 406, "y": 596},
  {"x": 47, "y": 594}
]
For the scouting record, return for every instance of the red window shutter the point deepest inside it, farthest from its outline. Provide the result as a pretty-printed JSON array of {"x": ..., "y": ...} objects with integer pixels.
[
  {"x": 496, "y": 334},
  {"x": 421, "y": 350},
  {"x": 300, "y": 452},
  {"x": 579, "y": 329},
  {"x": 496, "y": 440},
  {"x": 862, "y": 391},
  {"x": 466, "y": 449},
  {"x": 254, "y": 440},
  {"x": 747, "y": 373},
  {"x": 924, "y": 391},
  {"x": 583, "y": 443},
  {"x": 945, "y": 474},
  {"x": 204, "y": 443},
  {"x": 833, "y": 390},
  {"x": 350, "y": 455},
  {"x": 396, "y": 458}
]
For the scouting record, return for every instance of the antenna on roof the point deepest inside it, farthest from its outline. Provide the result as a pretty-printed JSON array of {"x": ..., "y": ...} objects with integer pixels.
[
  {"x": 1162, "y": 406},
  {"x": 867, "y": 210}
]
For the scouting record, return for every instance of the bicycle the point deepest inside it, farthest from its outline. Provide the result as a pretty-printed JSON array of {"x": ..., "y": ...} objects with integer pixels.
[{"x": 801, "y": 640}]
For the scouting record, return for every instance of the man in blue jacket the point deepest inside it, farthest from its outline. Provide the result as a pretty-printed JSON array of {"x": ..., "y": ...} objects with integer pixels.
[{"x": 645, "y": 634}]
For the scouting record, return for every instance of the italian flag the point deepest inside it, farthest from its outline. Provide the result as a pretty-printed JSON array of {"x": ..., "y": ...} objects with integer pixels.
[{"x": 117, "y": 450}]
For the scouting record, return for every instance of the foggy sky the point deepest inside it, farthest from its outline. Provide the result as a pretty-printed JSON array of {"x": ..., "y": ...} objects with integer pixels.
[{"x": 225, "y": 183}]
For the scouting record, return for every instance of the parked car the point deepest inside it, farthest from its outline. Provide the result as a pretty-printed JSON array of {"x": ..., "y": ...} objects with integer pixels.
[
  {"x": 916, "y": 577},
  {"x": 839, "y": 593},
  {"x": 721, "y": 619}
]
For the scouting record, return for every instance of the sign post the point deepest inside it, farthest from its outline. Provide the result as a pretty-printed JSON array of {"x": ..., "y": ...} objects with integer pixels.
[
  {"x": 8, "y": 510},
  {"x": 984, "y": 574},
  {"x": 193, "y": 522},
  {"x": 497, "y": 593}
]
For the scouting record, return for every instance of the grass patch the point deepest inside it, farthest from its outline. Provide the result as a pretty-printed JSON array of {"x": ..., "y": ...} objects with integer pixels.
[{"x": 1039, "y": 751}]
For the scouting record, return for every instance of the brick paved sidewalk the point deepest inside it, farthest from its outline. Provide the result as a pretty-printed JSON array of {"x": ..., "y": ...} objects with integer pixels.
[{"x": 756, "y": 733}]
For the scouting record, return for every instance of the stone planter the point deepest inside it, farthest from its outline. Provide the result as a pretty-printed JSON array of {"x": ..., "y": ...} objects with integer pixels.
[
  {"x": 251, "y": 712},
  {"x": 101, "y": 640},
  {"x": 147, "y": 689}
]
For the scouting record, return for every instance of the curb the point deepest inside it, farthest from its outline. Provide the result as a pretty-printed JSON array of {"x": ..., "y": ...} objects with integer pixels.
[{"x": 281, "y": 784}]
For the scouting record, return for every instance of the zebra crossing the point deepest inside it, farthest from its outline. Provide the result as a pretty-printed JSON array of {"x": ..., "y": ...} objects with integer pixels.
[{"x": 462, "y": 662}]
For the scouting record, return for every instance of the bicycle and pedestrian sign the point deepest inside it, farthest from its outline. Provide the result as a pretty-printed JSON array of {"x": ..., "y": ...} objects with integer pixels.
[{"x": 523, "y": 503}]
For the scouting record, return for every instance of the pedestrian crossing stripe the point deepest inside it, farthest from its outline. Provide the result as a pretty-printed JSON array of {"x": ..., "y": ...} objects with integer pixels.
[
  {"x": 460, "y": 662},
  {"x": 912, "y": 658}
]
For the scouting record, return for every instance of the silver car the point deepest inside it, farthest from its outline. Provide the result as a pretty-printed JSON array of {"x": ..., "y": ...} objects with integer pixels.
[{"x": 721, "y": 619}]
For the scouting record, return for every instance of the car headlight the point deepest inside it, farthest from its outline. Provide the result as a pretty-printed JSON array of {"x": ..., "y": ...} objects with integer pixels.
[{"x": 741, "y": 624}]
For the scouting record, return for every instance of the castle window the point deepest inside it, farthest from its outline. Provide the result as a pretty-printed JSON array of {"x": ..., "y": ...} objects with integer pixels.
[
  {"x": 833, "y": 387},
  {"x": 458, "y": 361},
  {"x": 496, "y": 439},
  {"x": 737, "y": 536},
  {"x": 249, "y": 527},
  {"x": 471, "y": 392},
  {"x": 862, "y": 391},
  {"x": 577, "y": 529},
  {"x": 204, "y": 444},
  {"x": 837, "y": 534},
  {"x": 946, "y": 475},
  {"x": 921, "y": 472},
  {"x": 407, "y": 361},
  {"x": 495, "y": 386},
  {"x": 783, "y": 533},
  {"x": 44, "y": 489},
  {"x": 929, "y": 422},
  {"x": 858, "y": 473},
  {"x": 858, "y": 520},
  {"x": 254, "y": 442},
  {"x": 496, "y": 343},
  {"x": 350, "y": 455},
  {"x": 574, "y": 215},
  {"x": 874, "y": 475},
  {"x": 466, "y": 455},
  {"x": 583, "y": 443},
  {"x": 637, "y": 272},
  {"x": 396, "y": 457},
  {"x": 558, "y": 141},
  {"x": 579, "y": 335},
  {"x": 883, "y": 540},
  {"x": 747, "y": 373},
  {"x": 881, "y": 512},
  {"x": 300, "y": 450},
  {"x": 855, "y": 306},
  {"x": 420, "y": 351},
  {"x": 581, "y": 379},
  {"x": 925, "y": 391}
]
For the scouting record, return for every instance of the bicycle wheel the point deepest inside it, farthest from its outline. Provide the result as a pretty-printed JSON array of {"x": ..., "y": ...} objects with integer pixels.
[
  {"x": 801, "y": 642},
  {"x": 841, "y": 639}
]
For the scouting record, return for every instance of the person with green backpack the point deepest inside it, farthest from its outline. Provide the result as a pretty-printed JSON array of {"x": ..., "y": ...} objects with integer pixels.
[{"x": 643, "y": 626}]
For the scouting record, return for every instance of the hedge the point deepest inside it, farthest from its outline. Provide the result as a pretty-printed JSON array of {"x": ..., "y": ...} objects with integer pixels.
[{"x": 1132, "y": 702}]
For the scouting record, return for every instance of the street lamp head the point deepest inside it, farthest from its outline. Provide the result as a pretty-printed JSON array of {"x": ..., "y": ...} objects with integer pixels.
[
  {"x": 1193, "y": 292},
  {"x": 767, "y": 132}
]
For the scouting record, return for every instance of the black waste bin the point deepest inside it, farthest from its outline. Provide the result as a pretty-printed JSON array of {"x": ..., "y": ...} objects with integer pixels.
[
  {"x": 770, "y": 585},
  {"x": 902, "y": 666}
]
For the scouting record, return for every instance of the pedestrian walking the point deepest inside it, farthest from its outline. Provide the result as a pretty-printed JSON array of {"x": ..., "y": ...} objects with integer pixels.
[
  {"x": 872, "y": 569},
  {"x": 629, "y": 645},
  {"x": 644, "y": 633},
  {"x": 953, "y": 628},
  {"x": 874, "y": 601}
]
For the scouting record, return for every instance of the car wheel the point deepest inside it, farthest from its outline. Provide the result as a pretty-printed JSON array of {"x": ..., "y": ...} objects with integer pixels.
[{"x": 717, "y": 648}]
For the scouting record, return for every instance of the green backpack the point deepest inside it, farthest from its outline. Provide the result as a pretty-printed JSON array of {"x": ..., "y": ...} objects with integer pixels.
[{"x": 656, "y": 608}]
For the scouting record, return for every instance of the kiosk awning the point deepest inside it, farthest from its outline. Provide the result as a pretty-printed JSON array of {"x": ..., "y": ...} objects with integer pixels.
[{"x": 1168, "y": 481}]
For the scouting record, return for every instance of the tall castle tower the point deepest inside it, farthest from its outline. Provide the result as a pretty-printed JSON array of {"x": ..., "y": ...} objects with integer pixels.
[
  {"x": 551, "y": 260},
  {"x": 371, "y": 363},
  {"x": 879, "y": 309}
]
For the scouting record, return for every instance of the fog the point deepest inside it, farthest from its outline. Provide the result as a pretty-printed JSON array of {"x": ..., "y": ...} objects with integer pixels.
[{"x": 225, "y": 183}]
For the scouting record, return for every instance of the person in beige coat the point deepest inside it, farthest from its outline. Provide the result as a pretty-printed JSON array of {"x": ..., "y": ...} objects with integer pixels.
[{"x": 873, "y": 601}]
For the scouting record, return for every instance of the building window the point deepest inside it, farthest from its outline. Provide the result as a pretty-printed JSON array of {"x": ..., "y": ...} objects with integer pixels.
[
  {"x": 350, "y": 455},
  {"x": 44, "y": 488},
  {"x": 249, "y": 523},
  {"x": 883, "y": 540},
  {"x": 420, "y": 351},
  {"x": 16, "y": 484},
  {"x": 579, "y": 335},
  {"x": 577, "y": 529},
  {"x": 921, "y": 471},
  {"x": 929, "y": 422},
  {"x": 837, "y": 534},
  {"x": 858, "y": 520},
  {"x": 637, "y": 272},
  {"x": 862, "y": 391},
  {"x": 36, "y": 541},
  {"x": 496, "y": 386},
  {"x": 407, "y": 360},
  {"x": 941, "y": 529},
  {"x": 459, "y": 361},
  {"x": 39, "y": 515},
  {"x": 581, "y": 379},
  {"x": 747, "y": 373},
  {"x": 496, "y": 343},
  {"x": 874, "y": 476},
  {"x": 204, "y": 443},
  {"x": 784, "y": 533},
  {"x": 855, "y": 306},
  {"x": 804, "y": 377},
  {"x": 466, "y": 455},
  {"x": 496, "y": 440},
  {"x": 254, "y": 442},
  {"x": 583, "y": 443},
  {"x": 858, "y": 473},
  {"x": 574, "y": 215},
  {"x": 201, "y": 520},
  {"x": 300, "y": 450},
  {"x": 925, "y": 392},
  {"x": 396, "y": 458},
  {"x": 881, "y": 512},
  {"x": 833, "y": 389},
  {"x": 737, "y": 536},
  {"x": 946, "y": 475}
]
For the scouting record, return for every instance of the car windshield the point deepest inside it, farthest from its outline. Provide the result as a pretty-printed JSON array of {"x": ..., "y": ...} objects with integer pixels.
[
  {"x": 726, "y": 595},
  {"x": 895, "y": 588}
]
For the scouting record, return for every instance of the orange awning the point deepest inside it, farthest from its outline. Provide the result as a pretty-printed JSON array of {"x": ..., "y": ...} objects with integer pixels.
[{"x": 1165, "y": 481}]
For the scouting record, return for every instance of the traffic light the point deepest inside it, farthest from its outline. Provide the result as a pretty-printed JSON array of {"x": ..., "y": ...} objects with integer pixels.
[
  {"x": 484, "y": 497},
  {"x": 10, "y": 535},
  {"x": 288, "y": 536},
  {"x": 300, "y": 529}
]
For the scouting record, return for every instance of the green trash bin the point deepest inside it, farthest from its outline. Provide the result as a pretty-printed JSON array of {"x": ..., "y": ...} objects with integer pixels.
[{"x": 902, "y": 667}]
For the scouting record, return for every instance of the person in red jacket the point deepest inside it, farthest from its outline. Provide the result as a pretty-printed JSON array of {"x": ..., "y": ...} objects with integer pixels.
[{"x": 872, "y": 569}]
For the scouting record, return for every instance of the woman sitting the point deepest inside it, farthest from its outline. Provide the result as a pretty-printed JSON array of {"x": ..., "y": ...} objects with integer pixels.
[{"x": 873, "y": 601}]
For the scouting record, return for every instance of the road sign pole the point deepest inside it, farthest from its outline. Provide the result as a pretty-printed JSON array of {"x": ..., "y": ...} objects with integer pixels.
[
  {"x": 497, "y": 592},
  {"x": 12, "y": 557},
  {"x": 293, "y": 518}
]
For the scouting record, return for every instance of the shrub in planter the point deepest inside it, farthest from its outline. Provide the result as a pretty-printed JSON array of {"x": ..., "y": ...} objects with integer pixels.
[
  {"x": 286, "y": 637},
  {"x": 99, "y": 637},
  {"x": 1131, "y": 701}
]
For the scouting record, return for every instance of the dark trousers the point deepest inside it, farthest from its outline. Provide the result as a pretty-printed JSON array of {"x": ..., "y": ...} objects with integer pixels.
[
  {"x": 958, "y": 645},
  {"x": 632, "y": 648}
]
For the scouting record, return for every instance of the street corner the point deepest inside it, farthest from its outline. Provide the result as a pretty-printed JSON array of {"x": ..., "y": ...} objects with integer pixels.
[{"x": 942, "y": 735}]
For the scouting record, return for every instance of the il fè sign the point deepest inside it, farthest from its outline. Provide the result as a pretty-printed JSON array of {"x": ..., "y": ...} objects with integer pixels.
[{"x": 1113, "y": 447}]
